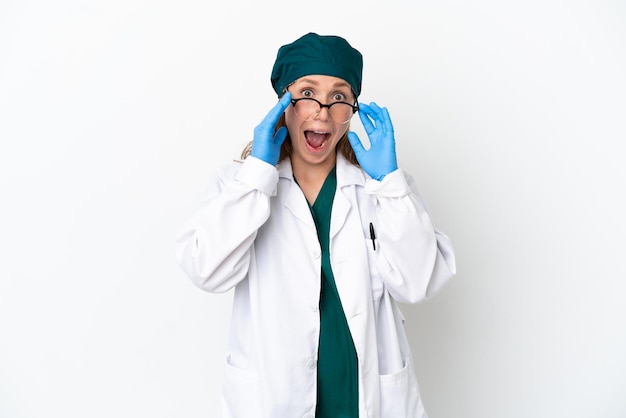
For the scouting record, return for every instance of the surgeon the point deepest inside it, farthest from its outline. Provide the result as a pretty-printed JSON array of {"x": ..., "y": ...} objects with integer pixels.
[{"x": 320, "y": 237}]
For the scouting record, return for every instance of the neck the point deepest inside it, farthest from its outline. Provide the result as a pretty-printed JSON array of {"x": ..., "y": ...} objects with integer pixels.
[
  {"x": 312, "y": 173},
  {"x": 311, "y": 177}
]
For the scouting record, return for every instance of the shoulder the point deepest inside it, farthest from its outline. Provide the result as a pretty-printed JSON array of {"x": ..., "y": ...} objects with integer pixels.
[
  {"x": 253, "y": 172},
  {"x": 349, "y": 174},
  {"x": 229, "y": 170}
]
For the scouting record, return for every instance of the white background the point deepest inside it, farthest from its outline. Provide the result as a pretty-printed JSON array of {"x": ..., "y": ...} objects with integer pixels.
[{"x": 511, "y": 116}]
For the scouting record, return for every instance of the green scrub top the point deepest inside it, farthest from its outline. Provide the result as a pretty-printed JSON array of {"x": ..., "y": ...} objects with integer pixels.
[{"x": 337, "y": 372}]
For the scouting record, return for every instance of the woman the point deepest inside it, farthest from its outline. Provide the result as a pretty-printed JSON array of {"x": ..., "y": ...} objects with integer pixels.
[{"x": 320, "y": 238}]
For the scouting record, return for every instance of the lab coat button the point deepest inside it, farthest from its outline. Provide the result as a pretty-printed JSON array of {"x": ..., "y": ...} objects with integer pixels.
[
  {"x": 317, "y": 254},
  {"x": 311, "y": 364}
]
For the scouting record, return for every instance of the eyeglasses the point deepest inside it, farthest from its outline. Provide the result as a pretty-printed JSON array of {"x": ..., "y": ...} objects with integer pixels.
[{"x": 307, "y": 108}]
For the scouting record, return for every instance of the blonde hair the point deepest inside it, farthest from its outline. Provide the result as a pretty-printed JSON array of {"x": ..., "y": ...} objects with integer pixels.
[{"x": 343, "y": 146}]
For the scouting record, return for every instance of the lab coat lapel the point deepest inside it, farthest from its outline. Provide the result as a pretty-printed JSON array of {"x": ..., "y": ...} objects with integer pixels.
[
  {"x": 341, "y": 208},
  {"x": 295, "y": 201},
  {"x": 347, "y": 175}
]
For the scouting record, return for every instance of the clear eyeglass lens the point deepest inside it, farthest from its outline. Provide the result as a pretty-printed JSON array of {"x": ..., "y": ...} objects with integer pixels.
[{"x": 307, "y": 109}]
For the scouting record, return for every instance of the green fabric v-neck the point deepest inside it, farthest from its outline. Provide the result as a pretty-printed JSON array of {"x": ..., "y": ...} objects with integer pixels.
[{"x": 337, "y": 372}]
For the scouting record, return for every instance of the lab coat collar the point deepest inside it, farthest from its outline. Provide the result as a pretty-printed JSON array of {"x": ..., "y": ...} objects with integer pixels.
[{"x": 347, "y": 173}]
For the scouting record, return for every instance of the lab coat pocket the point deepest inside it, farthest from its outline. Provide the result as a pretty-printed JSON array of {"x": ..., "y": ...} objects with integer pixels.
[
  {"x": 399, "y": 394},
  {"x": 240, "y": 393}
]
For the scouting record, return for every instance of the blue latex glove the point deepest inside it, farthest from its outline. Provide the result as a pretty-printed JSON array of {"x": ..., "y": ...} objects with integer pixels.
[
  {"x": 380, "y": 159},
  {"x": 266, "y": 144}
]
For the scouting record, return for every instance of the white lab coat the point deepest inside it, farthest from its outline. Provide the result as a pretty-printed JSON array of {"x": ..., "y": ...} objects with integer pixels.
[{"x": 254, "y": 232}]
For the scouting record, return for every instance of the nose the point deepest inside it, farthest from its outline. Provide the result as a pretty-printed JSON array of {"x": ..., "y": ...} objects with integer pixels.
[{"x": 323, "y": 114}]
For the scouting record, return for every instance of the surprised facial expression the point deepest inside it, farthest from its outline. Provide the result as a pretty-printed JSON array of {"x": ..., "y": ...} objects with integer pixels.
[{"x": 315, "y": 130}]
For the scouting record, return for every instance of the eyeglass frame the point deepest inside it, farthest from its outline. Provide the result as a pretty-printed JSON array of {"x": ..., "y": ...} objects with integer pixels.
[{"x": 355, "y": 108}]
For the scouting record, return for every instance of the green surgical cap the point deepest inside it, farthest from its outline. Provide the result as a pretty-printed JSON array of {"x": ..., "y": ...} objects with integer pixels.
[{"x": 314, "y": 54}]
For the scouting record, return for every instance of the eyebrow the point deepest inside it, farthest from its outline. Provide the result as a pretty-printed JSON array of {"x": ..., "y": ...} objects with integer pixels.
[{"x": 311, "y": 81}]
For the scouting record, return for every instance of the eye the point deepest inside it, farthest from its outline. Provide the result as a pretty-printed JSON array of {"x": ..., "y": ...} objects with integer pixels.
[
  {"x": 307, "y": 93},
  {"x": 339, "y": 97}
]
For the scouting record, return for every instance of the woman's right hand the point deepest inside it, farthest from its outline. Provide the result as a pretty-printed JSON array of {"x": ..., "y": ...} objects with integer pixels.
[{"x": 266, "y": 144}]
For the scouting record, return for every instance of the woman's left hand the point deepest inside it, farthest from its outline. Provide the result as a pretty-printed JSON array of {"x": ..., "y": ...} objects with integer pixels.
[{"x": 380, "y": 159}]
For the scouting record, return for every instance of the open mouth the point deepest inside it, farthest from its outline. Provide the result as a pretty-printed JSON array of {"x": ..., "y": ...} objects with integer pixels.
[{"x": 316, "y": 140}]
